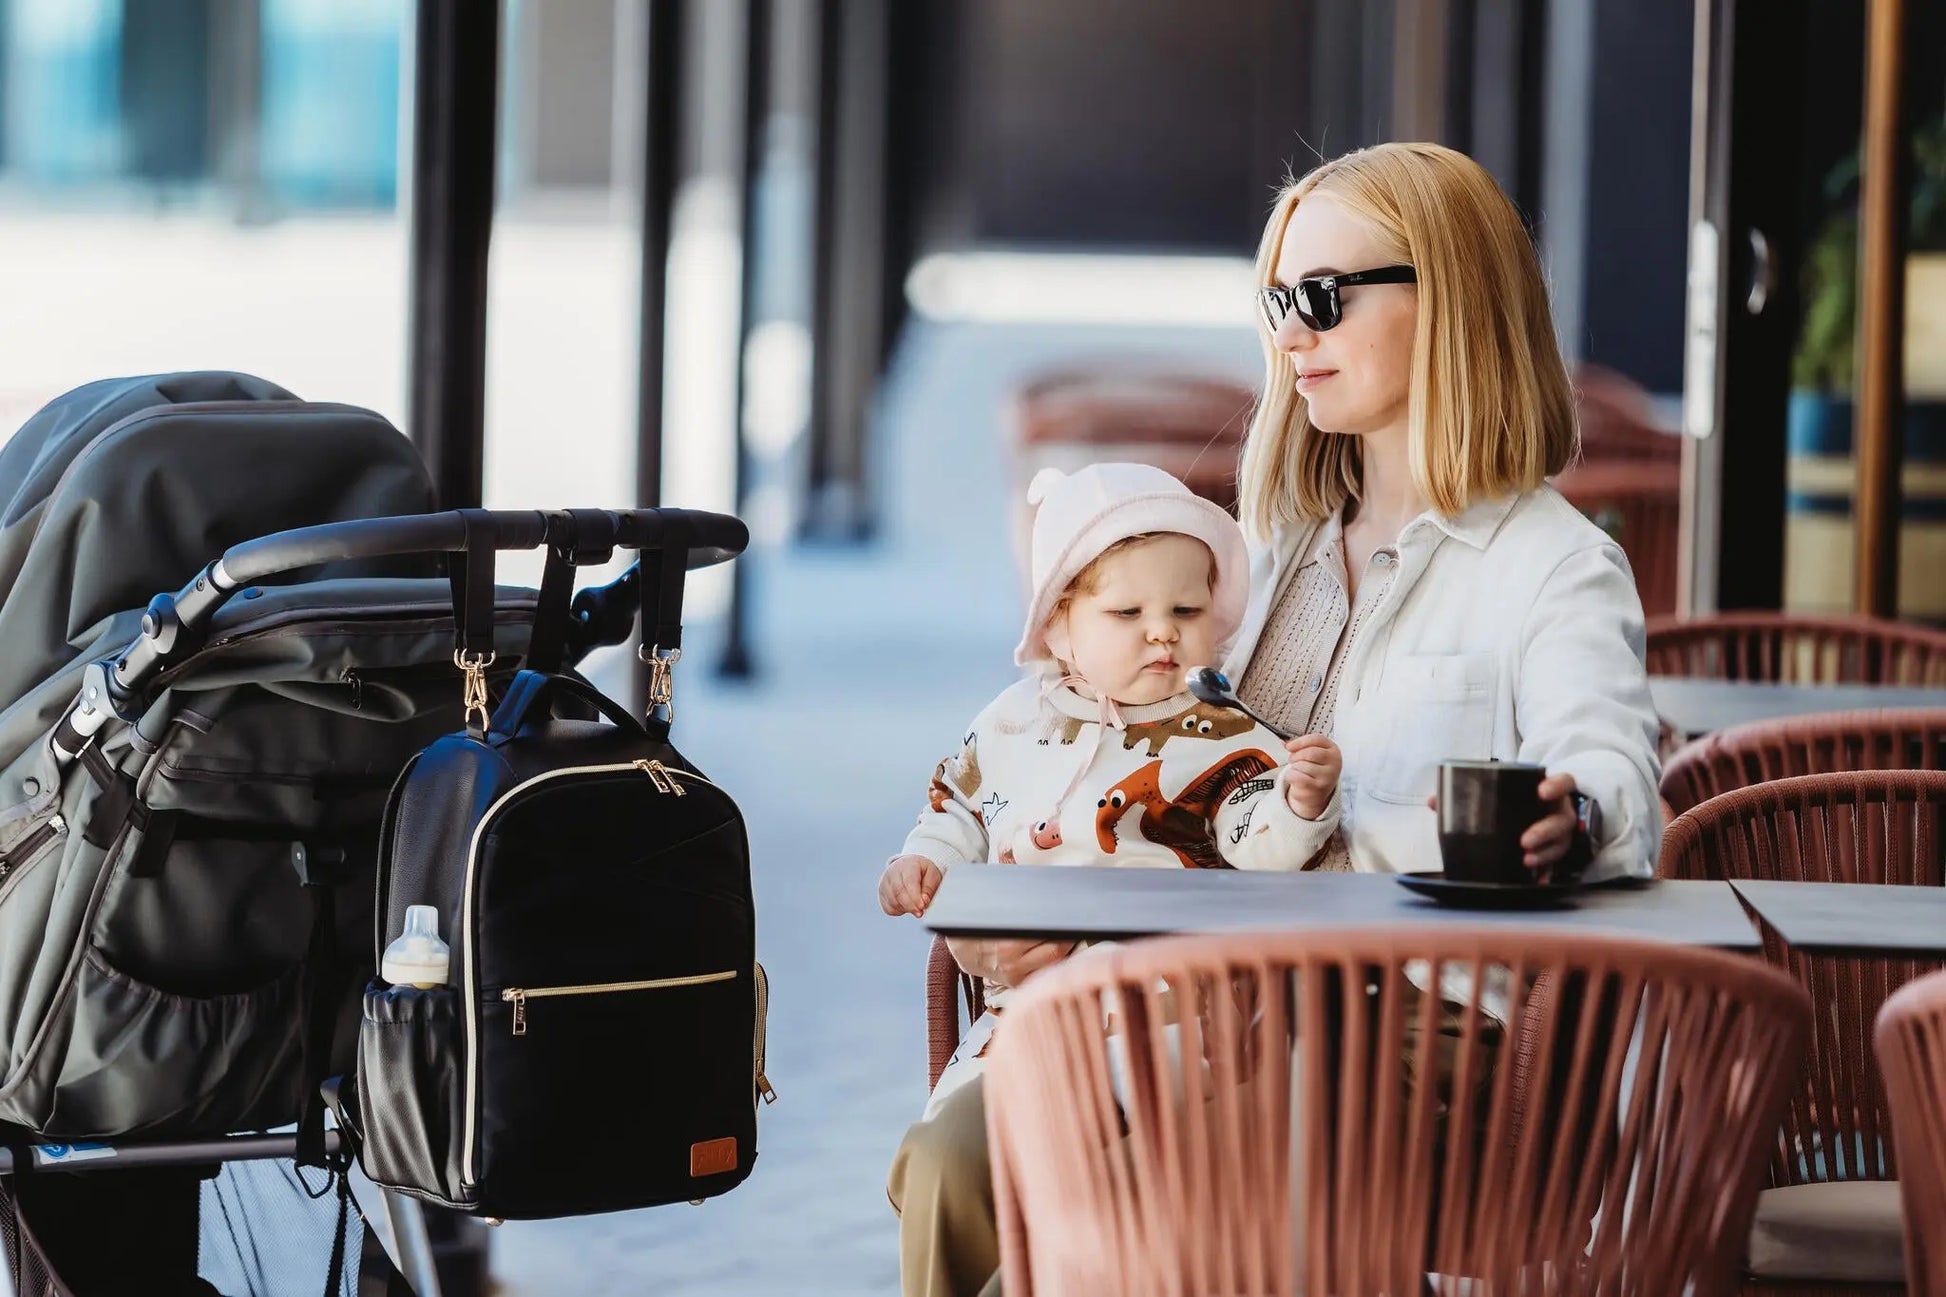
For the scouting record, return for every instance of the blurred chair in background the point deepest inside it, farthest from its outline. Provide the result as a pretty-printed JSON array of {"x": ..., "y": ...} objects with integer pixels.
[{"x": 1743, "y": 755}]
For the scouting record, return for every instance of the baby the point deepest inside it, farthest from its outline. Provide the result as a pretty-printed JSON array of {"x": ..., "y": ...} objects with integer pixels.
[{"x": 1103, "y": 758}]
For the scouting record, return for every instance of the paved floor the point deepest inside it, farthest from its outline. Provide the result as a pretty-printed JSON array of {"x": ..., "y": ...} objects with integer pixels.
[{"x": 871, "y": 660}]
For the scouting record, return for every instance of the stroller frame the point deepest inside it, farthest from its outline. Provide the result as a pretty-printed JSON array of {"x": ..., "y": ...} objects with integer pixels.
[{"x": 175, "y": 627}]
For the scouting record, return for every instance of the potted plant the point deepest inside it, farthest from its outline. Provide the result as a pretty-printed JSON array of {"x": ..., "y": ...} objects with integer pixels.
[{"x": 1823, "y": 373}]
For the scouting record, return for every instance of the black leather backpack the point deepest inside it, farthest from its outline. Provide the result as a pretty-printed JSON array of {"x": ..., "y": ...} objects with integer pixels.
[{"x": 599, "y": 1044}]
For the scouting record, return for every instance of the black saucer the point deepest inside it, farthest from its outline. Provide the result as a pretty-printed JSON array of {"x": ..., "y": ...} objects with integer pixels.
[{"x": 1434, "y": 885}]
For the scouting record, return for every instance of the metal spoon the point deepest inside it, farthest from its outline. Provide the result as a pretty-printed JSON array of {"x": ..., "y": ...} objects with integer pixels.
[{"x": 1213, "y": 687}]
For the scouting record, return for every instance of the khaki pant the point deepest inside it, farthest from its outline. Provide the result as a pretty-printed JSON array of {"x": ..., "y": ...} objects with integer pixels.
[
  {"x": 942, "y": 1187},
  {"x": 941, "y": 1183}
]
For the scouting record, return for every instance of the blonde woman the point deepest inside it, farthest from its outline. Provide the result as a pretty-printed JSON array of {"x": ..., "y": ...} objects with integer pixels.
[{"x": 1418, "y": 591}]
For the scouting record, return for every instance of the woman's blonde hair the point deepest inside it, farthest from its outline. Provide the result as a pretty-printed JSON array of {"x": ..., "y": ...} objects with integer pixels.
[{"x": 1491, "y": 411}]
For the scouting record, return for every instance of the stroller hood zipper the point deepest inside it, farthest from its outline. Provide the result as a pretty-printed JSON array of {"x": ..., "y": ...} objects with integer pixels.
[{"x": 22, "y": 855}]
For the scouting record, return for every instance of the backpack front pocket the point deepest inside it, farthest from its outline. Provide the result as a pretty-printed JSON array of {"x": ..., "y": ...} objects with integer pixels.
[
  {"x": 593, "y": 1095},
  {"x": 519, "y": 996}
]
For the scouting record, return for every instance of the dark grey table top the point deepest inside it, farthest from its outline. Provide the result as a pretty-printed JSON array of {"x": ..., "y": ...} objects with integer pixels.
[
  {"x": 1705, "y": 706},
  {"x": 1852, "y": 918},
  {"x": 1049, "y": 901}
]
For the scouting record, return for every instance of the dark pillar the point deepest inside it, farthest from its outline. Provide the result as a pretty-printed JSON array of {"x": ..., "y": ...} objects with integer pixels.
[
  {"x": 1462, "y": 31},
  {"x": 661, "y": 136},
  {"x": 825, "y": 482},
  {"x": 661, "y": 142},
  {"x": 736, "y": 661},
  {"x": 456, "y": 83}
]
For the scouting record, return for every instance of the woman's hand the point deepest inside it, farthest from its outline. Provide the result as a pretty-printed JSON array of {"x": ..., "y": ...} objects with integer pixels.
[
  {"x": 1315, "y": 763},
  {"x": 1547, "y": 839},
  {"x": 1009, "y": 963}
]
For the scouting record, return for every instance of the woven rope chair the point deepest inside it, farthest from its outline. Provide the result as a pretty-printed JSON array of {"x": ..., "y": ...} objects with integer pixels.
[
  {"x": 1743, "y": 755},
  {"x": 1911, "y": 1042},
  {"x": 947, "y": 988},
  {"x": 1783, "y": 648},
  {"x": 1638, "y": 502},
  {"x": 1865, "y": 827},
  {"x": 1158, "y": 1156}
]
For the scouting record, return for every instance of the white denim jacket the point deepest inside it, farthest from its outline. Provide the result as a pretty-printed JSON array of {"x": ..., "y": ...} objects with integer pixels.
[{"x": 1511, "y": 631}]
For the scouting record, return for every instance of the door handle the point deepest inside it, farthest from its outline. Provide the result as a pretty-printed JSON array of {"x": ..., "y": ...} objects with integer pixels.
[{"x": 1763, "y": 273}]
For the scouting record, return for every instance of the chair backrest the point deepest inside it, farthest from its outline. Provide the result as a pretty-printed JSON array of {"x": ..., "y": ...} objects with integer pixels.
[
  {"x": 1638, "y": 502},
  {"x": 1617, "y": 420},
  {"x": 1911, "y": 1042},
  {"x": 1892, "y": 739},
  {"x": 1880, "y": 826},
  {"x": 1785, "y": 648},
  {"x": 1268, "y": 1106},
  {"x": 947, "y": 987}
]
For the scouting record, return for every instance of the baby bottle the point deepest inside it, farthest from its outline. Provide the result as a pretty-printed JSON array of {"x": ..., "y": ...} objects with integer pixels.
[{"x": 417, "y": 957}]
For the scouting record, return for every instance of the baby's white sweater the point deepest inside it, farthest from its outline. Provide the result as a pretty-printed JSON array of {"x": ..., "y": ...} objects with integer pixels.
[{"x": 1183, "y": 784}]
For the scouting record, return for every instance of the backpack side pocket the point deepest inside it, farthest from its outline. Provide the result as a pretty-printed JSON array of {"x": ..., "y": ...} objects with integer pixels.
[{"x": 410, "y": 1073}]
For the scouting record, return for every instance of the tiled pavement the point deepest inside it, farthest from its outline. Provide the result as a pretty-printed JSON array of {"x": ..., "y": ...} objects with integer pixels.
[{"x": 870, "y": 659}]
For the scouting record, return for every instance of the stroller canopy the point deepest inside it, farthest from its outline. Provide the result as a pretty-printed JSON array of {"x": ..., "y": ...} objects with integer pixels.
[{"x": 128, "y": 486}]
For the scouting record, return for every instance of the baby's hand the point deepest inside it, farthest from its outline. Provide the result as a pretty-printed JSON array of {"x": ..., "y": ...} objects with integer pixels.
[
  {"x": 1315, "y": 762},
  {"x": 907, "y": 885}
]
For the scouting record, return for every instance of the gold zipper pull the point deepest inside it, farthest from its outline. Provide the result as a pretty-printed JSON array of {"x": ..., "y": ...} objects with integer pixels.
[
  {"x": 655, "y": 776},
  {"x": 764, "y": 1088},
  {"x": 518, "y": 998},
  {"x": 675, "y": 784}
]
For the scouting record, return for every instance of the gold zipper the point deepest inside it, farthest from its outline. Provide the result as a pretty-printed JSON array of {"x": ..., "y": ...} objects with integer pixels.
[
  {"x": 664, "y": 778},
  {"x": 649, "y": 768},
  {"x": 518, "y": 996},
  {"x": 763, "y": 1013}
]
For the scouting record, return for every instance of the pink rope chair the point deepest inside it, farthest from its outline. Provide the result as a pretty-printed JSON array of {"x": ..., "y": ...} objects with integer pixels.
[
  {"x": 1780, "y": 647},
  {"x": 1252, "y": 1114},
  {"x": 946, "y": 989},
  {"x": 1911, "y": 1043},
  {"x": 1866, "y": 827},
  {"x": 1893, "y": 739}
]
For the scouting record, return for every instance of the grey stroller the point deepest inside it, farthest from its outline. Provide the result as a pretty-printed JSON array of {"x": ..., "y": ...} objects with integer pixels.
[{"x": 191, "y": 786}]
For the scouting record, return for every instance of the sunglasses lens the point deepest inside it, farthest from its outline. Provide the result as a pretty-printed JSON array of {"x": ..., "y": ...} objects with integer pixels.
[
  {"x": 1276, "y": 304},
  {"x": 1317, "y": 306}
]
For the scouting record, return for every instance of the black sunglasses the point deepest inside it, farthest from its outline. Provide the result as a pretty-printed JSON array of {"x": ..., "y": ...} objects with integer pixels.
[{"x": 1316, "y": 299}]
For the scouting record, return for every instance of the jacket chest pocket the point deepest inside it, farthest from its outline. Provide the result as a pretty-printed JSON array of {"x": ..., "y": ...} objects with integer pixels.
[{"x": 1437, "y": 707}]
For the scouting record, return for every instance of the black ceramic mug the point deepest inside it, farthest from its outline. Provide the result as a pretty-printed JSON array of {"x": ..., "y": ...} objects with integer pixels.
[{"x": 1484, "y": 808}]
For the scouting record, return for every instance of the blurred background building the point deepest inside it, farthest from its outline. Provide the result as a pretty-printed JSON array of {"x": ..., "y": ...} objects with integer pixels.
[{"x": 895, "y": 249}]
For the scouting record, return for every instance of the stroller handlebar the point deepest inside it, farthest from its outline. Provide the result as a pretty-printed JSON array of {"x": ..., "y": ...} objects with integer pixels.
[
  {"x": 712, "y": 537},
  {"x": 175, "y": 624}
]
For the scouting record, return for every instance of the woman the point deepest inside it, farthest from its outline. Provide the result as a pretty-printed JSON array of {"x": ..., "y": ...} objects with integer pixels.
[{"x": 1417, "y": 591}]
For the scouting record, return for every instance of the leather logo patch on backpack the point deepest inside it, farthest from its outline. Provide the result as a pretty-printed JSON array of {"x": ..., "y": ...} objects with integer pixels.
[{"x": 713, "y": 1157}]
